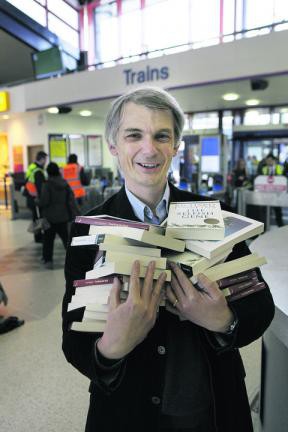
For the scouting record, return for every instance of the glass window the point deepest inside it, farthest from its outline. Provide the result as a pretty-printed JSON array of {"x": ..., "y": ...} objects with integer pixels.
[
  {"x": 130, "y": 33},
  {"x": 227, "y": 123},
  {"x": 64, "y": 11},
  {"x": 258, "y": 13},
  {"x": 63, "y": 30},
  {"x": 205, "y": 21},
  {"x": 129, "y": 5},
  {"x": 228, "y": 19},
  {"x": 208, "y": 120},
  {"x": 280, "y": 10},
  {"x": 34, "y": 10},
  {"x": 260, "y": 116},
  {"x": 107, "y": 33},
  {"x": 165, "y": 25}
]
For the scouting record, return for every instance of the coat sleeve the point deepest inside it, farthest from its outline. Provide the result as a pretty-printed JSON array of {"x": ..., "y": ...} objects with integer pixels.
[{"x": 254, "y": 312}]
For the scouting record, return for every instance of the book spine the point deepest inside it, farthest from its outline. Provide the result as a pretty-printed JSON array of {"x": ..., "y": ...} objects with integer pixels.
[
  {"x": 106, "y": 222},
  {"x": 234, "y": 289},
  {"x": 244, "y": 293},
  {"x": 240, "y": 277}
]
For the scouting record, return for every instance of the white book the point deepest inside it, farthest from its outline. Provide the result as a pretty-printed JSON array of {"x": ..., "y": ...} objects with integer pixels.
[
  {"x": 160, "y": 263},
  {"x": 95, "y": 315},
  {"x": 90, "y": 326},
  {"x": 192, "y": 263},
  {"x": 237, "y": 229},
  {"x": 123, "y": 268},
  {"x": 141, "y": 235},
  {"x": 98, "y": 239},
  {"x": 197, "y": 220},
  {"x": 220, "y": 271},
  {"x": 126, "y": 248}
]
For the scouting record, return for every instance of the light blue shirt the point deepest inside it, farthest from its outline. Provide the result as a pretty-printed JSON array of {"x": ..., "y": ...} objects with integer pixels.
[{"x": 143, "y": 211}]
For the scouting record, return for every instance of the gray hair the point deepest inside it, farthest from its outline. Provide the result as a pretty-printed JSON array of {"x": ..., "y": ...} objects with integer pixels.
[{"x": 149, "y": 97}]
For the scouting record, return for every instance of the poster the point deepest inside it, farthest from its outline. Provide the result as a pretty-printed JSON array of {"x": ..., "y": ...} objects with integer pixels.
[
  {"x": 58, "y": 149},
  {"x": 18, "y": 165}
]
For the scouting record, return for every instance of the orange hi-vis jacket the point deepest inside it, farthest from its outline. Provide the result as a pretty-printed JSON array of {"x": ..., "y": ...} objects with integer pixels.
[{"x": 71, "y": 173}]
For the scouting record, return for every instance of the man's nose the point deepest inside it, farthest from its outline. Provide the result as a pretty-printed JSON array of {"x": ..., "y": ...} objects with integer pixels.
[{"x": 149, "y": 145}]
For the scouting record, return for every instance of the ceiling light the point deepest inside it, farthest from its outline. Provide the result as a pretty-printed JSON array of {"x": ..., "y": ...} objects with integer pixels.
[
  {"x": 85, "y": 113},
  {"x": 230, "y": 96},
  {"x": 53, "y": 110},
  {"x": 5, "y": 117},
  {"x": 252, "y": 102}
]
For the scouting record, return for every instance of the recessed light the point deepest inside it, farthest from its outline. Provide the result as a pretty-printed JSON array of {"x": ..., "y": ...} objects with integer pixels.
[
  {"x": 53, "y": 110},
  {"x": 252, "y": 102},
  {"x": 230, "y": 96},
  {"x": 85, "y": 113}
]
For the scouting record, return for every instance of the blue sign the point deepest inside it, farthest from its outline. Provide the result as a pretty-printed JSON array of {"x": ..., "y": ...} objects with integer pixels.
[{"x": 145, "y": 75}]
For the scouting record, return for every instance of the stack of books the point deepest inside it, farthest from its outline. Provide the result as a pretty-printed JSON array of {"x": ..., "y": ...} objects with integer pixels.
[{"x": 120, "y": 242}]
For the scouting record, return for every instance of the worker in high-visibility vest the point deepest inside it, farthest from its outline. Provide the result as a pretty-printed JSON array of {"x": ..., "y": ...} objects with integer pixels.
[
  {"x": 272, "y": 168},
  {"x": 35, "y": 177},
  {"x": 73, "y": 173}
]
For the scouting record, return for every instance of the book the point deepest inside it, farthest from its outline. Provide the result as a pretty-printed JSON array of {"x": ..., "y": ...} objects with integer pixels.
[
  {"x": 237, "y": 229},
  {"x": 122, "y": 268},
  {"x": 160, "y": 262},
  {"x": 90, "y": 326},
  {"x": 237, "y": 278},
  {"x": 130, "y": 249},
  {"x": 245, "y": 292},
  {"x": 192, "y": 263},
  {"x": 230, "y": 268},
  {"x": 141, "y": 235},
  {"x": 198, "y": 220},
  {"x": 236, "y": 288},
  {"x": 106, "y": 220}
]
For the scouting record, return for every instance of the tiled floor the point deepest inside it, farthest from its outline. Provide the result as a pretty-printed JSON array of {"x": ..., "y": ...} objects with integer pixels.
[{"x": 39, "y": 390}]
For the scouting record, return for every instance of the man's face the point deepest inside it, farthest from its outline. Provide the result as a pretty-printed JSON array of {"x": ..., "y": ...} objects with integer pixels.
[
  {"x": 270, "y": 161},
  {"x": 145, "y": 147}
]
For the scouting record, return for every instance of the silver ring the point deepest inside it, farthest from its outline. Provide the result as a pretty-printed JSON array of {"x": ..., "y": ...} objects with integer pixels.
[{"x": 175, "y": 303}]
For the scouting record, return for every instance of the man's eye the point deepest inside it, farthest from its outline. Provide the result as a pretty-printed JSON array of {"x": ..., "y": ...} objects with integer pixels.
[
  {"x": 134, "y": 135},
  {"x": 163, "y": 137}
]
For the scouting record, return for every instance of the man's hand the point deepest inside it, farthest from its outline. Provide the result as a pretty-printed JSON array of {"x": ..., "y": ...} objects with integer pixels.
[
  {"x": 129, "y": 323},
  {"x": 207, "y": 308}
]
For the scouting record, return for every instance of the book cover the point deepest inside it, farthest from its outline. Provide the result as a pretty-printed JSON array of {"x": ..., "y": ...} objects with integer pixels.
[
  {"x": 90, "y": 326},
  {"x": 237, "y": 229},
  {"x": 160, "y": 263},
  {"x": 130, "y": 249},
  {"x": 246, "y": 292},
  {"x": 198, "y": 220},
  {"x": 237, "y": 278}
]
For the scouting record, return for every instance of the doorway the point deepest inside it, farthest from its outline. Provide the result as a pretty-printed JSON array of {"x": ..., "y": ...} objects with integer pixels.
[{"x": 32, "y": 150}]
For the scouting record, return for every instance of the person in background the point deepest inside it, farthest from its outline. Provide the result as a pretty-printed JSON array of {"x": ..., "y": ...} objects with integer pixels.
[
  {"x": 35, "y": 178},
  {"x": 149, "y": 370},
  {"x": 11, "y": 322},
  {"x": 240, "y": 176},
  {"x": 272, "y": 168},
  {"x": 58, "y": 207},
  {"x": 74, "y": 174}
]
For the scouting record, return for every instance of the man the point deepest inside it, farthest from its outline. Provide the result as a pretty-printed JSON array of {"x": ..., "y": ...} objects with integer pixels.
[
  {"x": 272, "y": 168},
  {"x": 148, "y": 371},
  {"x": 7, "y": 323},
  {"x": 74, "y": 174},
  {"x": 35, "y": 177}
]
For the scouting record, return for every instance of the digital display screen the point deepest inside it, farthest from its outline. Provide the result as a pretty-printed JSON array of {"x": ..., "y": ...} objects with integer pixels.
[{"x": 210, "y": 154}]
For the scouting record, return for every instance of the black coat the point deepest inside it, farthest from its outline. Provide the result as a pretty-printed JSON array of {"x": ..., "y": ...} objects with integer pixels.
[{"x": 126, "y": 405}]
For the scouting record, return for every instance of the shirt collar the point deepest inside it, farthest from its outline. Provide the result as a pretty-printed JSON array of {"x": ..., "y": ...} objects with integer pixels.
[{"x": 143, "y": 211}]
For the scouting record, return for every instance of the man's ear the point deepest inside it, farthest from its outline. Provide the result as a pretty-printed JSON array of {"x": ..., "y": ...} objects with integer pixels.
[
  {"x": 113, "y": 149},
  {"x": 176, "y": 148}
]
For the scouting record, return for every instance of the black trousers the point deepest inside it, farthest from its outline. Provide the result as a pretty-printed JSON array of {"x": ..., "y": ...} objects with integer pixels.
[{"x": 49, "y": 236}]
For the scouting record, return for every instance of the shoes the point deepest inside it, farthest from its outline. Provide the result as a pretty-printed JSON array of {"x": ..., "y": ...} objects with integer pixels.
[
  {"x": 48, "y": 265},
  {"x": 10, "y": 323}
]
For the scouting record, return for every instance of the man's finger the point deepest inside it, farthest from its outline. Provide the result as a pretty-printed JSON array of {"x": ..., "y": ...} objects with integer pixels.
[
  {"x": 182, "y": 279},
  {"x": 211, "y": 288},
  {"x": 157, "y": 290},
  {"x": 114, "y": 296},
  {"x": 148, "y": 282},
  {"x": 134, "y": 284}
]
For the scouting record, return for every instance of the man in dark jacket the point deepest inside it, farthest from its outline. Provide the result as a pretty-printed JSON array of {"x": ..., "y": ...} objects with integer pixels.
[
  {"x": 148, "y": 371},
  {"x": 57, "y": 203}
]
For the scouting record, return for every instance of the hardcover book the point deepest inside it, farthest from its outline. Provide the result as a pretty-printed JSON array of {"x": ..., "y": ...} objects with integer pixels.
[
  {"x": 237, "y": 229},
  {"x": 198, "y": 220}
]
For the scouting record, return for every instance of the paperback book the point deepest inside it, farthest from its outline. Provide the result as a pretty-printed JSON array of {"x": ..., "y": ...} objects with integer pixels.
[
  {"x": 198, "y": 220},
  {"x": 237, "y": 229}
]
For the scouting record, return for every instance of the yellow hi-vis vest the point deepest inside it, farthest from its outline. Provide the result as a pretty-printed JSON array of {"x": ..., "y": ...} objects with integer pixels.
[
  {"x": 277, "y": 170},
  {"x": 71, "y": 173},
  {"x": 30, "y": 179}
]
